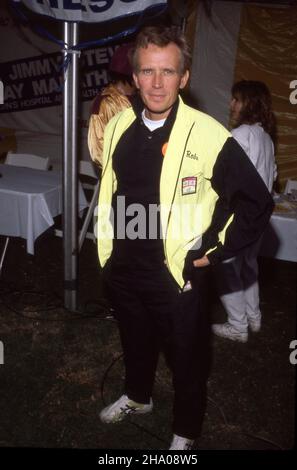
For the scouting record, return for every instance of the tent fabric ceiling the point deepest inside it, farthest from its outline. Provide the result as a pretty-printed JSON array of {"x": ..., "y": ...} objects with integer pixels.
[
  {"x": 242, "y": 40},
  {"x": 266, "y": 49}
]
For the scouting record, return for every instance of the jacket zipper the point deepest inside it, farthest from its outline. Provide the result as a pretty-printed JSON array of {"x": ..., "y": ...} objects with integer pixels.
[{"x": 174, "y": 193}]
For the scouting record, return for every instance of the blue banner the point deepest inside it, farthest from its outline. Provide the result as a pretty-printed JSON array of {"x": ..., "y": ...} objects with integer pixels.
[
  {"x": 90, "y": 11},
  {"x": 37, "y": 82}
]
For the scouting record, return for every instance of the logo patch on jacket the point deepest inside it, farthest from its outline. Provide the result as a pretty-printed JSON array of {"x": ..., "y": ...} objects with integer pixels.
[{"x": 189, "y": 185}]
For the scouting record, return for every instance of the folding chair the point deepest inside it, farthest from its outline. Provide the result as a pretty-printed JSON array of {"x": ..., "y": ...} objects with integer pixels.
[
  {"x": 291, "y": 184},
  {"x": 27, "y": 160},
  {"x": 90, "y": 181}
]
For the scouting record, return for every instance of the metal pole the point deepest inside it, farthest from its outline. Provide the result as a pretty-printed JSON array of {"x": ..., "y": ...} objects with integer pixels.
[
  {"x": 3, "y": 254},
  {"x": 70, "y": 241}
]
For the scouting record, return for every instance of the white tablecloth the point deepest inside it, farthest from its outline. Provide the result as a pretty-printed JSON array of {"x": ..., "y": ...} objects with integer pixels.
[
  {"x": 280, "y": 238},
  {"x": 29, "y": 200}
]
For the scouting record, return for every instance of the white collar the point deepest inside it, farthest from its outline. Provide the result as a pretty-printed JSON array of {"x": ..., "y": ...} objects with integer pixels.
[{"x": 152, "y": 125}]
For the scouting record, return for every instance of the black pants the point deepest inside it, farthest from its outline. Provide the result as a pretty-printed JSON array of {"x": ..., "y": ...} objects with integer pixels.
[{"x": 153, "y": 315}]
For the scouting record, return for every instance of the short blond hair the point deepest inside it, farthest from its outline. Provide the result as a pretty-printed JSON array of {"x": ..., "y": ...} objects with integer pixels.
[{"x": 161, "y": 36}]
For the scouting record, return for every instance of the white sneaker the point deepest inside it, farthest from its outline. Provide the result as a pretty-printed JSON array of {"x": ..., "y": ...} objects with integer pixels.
[
  {"x": 225, "y": 330},
  {"x": 181, "y": 443},
  {"x": 254, "y": 325},
  {"x": 118, "y": 410}
]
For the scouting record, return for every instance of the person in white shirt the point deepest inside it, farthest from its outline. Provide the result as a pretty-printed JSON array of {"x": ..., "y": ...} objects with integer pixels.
[{"x": 237, "y": 278}]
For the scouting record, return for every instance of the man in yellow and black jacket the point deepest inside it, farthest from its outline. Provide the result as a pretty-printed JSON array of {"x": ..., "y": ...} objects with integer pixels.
[{"x": 177, "y": 195}]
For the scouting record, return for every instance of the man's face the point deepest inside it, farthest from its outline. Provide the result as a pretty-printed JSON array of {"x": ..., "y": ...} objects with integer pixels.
[{"x": 159, "y": 78}]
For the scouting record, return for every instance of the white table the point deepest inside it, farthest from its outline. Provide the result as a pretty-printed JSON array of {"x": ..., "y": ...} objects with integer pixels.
[
  {"x": 280, "y": 238},
  {"x": 29, "y": 200}
]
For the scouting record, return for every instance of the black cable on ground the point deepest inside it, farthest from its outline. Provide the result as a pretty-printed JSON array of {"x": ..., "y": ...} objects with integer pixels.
[
  {"x": 48, "y": 303},
  {"x": 142, "y": 428},
  {"x": 104, "y": 313},
  {"x": 112, "y": 363},
  {"x": 229, "y": 426}
]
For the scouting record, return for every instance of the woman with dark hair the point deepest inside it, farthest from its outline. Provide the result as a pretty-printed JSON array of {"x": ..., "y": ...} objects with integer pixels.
[
  {"x": 237, "y": 278},
  {"x": 251, "y": 103},
  {"x": 255, "y": 126}
]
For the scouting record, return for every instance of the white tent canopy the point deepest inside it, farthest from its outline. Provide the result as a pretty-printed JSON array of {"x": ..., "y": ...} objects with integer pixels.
[{"x": 70, "y": 11}]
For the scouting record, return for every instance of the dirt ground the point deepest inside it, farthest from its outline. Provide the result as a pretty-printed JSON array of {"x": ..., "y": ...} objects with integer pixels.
[{"x": 61, "y": 367}]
